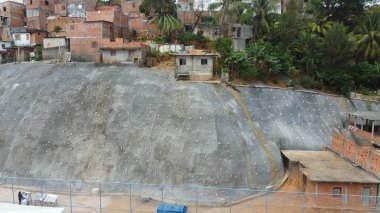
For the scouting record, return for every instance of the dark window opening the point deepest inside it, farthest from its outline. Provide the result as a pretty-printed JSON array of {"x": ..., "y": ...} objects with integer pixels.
[
  {"x": 203, "y": 61},
  {"x": 63, "y": 7},
  {"x": 113, "y": 52},
  {"x": 94, "y": 44},
  {"x": 46, "y": 2},
  {"x": 31, "y": 1},
  {"x": 4, "y": 9},
  {"x": 182, "y": 61},
  {"x": 238, "y": 33},
  {"x": 337, "y": 191}
]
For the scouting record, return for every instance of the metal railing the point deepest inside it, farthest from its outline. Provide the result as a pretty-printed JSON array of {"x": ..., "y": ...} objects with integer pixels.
[{"x": 100, "y": 196}]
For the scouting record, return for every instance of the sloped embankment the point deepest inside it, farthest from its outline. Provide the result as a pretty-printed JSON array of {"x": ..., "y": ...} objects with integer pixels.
[{"x": 125, "y": 123}]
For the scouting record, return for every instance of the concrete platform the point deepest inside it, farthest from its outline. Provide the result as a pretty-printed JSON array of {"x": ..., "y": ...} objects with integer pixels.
[{"x": 13, "y": 208}]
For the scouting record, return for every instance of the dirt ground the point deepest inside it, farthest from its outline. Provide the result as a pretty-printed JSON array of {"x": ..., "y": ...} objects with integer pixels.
[{"x": 286, "y": 200}]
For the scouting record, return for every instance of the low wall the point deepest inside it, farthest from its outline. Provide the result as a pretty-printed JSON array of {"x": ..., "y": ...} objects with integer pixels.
[
  {"x": 366, "y": 157},
  {"x": 54, "y": 53}
]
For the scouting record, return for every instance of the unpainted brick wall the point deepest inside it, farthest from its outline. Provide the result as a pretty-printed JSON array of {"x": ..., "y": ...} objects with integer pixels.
[{"x": 366, "y": 157}]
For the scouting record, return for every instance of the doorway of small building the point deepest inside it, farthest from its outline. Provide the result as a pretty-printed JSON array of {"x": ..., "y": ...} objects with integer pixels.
[
  {"x": 135, "y": 60},
  {"x": 366, "y": 193}
]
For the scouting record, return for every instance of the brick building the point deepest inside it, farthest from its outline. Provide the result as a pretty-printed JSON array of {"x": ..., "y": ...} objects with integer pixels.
[
  {"x": 186, "y": 14},
  {"x": 331, "y": 181},
  {"x": 11, "y": 18},
  {"x": 138, "y": 23},
  {"x": 73, "y": 8},
  {"x": 37, "y": 12},
  {"x": 12, "y": 14},
  {"x": 86, "y": 35}
]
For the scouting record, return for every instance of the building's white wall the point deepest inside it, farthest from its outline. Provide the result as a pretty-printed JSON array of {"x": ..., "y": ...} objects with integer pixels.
[
  {"x": 54, "y": 42},
  {"x": 23, "y": 41},
  {"x": 194, "y": 67},
  {"x": 121, "y": 56}
]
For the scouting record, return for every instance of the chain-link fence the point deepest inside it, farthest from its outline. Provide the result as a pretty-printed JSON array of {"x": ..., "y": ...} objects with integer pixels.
[{"x": 117, "y": 197}]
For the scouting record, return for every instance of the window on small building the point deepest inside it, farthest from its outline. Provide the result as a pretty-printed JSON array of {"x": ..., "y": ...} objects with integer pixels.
[
  {"x": 238, "y": 33},
  {"x": 94, "y": 44},
  {"x": 27, "y": 36},
  {"x": 17, "y": 37},
  {"x": 4, "y": 9},
  {"x": 203, "y": 61},
  {"x": 3, "y": 46},
  {"x": 31, "y": 1},
  {"x": 63, "y": 7},
  {"x": 182, "y": 61},
  {"x": 46, "y": 2},
  {"x": 113, "y": 52},
  {"x": 72, "y": 27},
  {"x": 337, "y": 191}
]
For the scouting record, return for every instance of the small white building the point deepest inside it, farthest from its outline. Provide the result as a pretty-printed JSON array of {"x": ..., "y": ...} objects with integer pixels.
[
  {"x": 195, "y": 66},
  {"x": 21, "y": 39}
]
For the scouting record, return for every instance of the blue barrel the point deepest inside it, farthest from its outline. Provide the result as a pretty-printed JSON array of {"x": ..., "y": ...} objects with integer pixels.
[{"x": 165, "y": 208}]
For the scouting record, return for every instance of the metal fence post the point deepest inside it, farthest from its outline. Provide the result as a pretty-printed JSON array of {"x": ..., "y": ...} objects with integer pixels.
[
  {"x": 230, "y": 198},
  {"x": 13, "y": 192},
  {"x": 162, "y": 194},
  {"x": 196, "y": 200},
  {"x": 343, "y": 201},
  {"x": 71, "y": 201},
  {"x": 100, "y": 197},
  {"x": 130, "y": 198},
  {"x": 266, "y": 201},
  {"x": 42, "y": 195},
  {"x": 303, "y": 202}
]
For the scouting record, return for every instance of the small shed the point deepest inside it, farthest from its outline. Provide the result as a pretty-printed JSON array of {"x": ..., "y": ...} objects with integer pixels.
[
  {"x": 165, "y": 208},
  {"x": 195, "y": 65},
  {"x": 330, "y": 180}
]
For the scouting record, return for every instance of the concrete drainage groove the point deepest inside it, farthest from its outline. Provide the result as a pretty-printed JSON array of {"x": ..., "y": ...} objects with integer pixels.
[{"x": 256, "y": 132}]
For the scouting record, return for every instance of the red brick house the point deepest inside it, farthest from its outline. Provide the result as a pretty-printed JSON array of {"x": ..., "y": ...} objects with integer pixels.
[{"x": 331, "y": 181}]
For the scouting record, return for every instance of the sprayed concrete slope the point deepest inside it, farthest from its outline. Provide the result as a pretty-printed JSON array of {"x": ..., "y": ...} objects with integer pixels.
[{"x": 126, "y": 123}]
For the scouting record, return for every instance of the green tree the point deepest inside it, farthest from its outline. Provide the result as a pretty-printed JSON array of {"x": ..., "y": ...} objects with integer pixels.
[
  {"x": 345, "y": 11},
  {"x": 264, "y": 58},
  {"x": 261, "y": 10},
  {"x": 307, "y": 52},
  {"x": 337, "y": 48},
  {"x": 368, "y": 37},
  {"x": 163, "y": 13}
]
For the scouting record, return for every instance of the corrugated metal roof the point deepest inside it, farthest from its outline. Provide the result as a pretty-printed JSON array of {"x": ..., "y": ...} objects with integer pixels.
[{"x": 369, "y": 115}]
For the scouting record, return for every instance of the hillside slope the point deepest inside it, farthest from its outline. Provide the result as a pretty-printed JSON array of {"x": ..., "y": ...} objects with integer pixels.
[{"x": 90, "y": 122}]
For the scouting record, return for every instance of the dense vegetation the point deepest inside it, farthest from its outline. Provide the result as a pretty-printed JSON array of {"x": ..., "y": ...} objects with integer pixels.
[
  {"x": 329, "y": 44},
  {"x": 321, "y": 44}
]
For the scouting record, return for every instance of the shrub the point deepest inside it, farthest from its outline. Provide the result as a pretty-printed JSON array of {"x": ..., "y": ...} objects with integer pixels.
[
  {"x": 57, "y": 28},
  {"x": 309, "y": 83}
]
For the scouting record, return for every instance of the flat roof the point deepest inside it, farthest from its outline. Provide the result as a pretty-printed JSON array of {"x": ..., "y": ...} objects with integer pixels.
[
  {"x": 325, "y": 166},
  {"x": 369, "y": 115},
  {"x": 8, "y": 207}
]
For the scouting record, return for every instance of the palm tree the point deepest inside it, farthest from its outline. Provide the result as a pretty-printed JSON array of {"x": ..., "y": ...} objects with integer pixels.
[
  {"x": 337, "y": 47},
  {"x": 368, "y": 37},
  {"x": 306, "y": 49},
  {"x": 163, "y": 14},
  {"x": 261, "y": 9}
]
